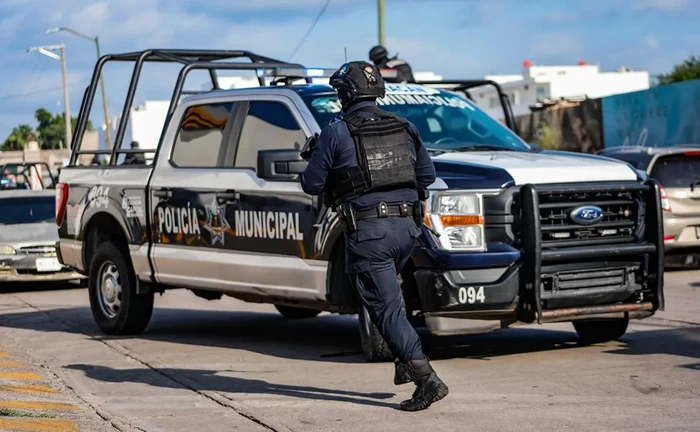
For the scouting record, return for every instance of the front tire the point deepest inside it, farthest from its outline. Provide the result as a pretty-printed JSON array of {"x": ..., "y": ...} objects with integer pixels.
[
  {"x": 292, "y": 312},
  {"x": 116, "y": 307},
  {"x": 601, "y": 331}
]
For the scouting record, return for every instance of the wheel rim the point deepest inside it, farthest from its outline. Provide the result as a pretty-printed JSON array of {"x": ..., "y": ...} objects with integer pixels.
[{"x": 110, "y": 289}]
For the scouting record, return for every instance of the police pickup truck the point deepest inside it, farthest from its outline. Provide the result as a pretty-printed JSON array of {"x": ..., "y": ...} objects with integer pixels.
[{"x": 512, "y": 235}]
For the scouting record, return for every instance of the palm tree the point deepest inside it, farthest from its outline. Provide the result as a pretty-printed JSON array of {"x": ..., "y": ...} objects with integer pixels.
[{"x": 19, "y": 137}]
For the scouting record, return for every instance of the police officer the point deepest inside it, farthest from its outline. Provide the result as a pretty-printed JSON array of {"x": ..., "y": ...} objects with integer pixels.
[
  {"x": 371, "y": 165},
  {"x": 380, "y": 57},
  {"x": 134, "y": 158}
]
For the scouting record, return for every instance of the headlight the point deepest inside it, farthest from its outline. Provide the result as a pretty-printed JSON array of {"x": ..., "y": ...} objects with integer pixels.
[
  {"x": 7, "y": 250},
  {"x": 459, "y": 219}
]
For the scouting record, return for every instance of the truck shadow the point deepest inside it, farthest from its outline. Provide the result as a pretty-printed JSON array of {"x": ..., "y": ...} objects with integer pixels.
[
  {"x": 22, "y": 287},
  {"x": 219, "y": 381},
  {"x": 333, "y": 338}
]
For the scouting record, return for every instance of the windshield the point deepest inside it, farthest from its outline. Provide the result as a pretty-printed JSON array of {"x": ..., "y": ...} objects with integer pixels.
[
  {"x": 27, "y": 210},
  {"x": 677, "y": 171},
  {"x": 445, "y": 121}
]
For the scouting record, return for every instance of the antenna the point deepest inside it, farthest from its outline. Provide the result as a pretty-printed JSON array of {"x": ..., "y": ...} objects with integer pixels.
[{"x": 346, "y": 54}]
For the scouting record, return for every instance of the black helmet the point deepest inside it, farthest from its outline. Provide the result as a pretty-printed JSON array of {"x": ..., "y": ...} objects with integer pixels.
[
  {"x": 378, "y": 53},
  {"x": 357, "y": 80}
]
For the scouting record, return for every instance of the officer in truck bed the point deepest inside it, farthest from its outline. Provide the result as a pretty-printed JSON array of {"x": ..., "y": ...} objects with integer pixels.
[{"x": 376, "y": 197}]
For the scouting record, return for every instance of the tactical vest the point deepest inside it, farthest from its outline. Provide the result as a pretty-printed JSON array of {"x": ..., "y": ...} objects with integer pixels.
[{"x": 384, "y": 162}]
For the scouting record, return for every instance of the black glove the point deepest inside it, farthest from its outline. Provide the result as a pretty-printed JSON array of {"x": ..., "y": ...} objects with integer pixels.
[{"x": 309, "y": 147}]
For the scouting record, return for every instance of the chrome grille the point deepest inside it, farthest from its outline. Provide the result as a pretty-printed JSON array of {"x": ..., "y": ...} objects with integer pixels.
[
  {"x": 621, "y": 218},
  {"x": 37, "y": 250}
]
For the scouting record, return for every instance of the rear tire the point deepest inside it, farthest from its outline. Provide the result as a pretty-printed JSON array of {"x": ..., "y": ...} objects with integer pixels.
[
  {"x": 374, "y": 347},
  {"x": 116, "y": 307},
  {"x": 292, "y": 312},
  {"x": 601, "y": 331}
]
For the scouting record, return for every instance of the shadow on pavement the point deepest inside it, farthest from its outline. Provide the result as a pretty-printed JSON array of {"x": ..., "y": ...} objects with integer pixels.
[
  {"x": 330, "y": 338},
  {"x": 208, "y": 380},
  {"x": 23, "y": 287},
  {"x": 677, "y": 341},
  {"x": 334, "y": 338}
]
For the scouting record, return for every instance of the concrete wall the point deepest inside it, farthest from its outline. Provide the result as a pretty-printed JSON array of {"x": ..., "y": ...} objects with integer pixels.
[{"x": 53, "y": 158}]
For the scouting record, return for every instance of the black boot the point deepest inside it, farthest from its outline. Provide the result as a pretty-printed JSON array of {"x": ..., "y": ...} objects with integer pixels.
[
  {"x": 402, "y": 375},
  {"x": 429, "y": 388}
]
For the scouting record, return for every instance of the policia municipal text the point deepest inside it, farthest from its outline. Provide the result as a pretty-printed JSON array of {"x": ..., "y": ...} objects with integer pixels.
[{"x": 373, "y": 169}]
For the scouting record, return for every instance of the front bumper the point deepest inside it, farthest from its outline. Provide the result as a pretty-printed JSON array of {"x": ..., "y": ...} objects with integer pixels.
[
  {"x": 34, "y": 267},
  {"x": 554, "y": 284}
]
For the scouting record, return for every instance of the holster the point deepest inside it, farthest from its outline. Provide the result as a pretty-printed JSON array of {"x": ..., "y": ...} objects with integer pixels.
[
  {"x": 346, "y": 214},
  {"x": 418, "y": 213}
]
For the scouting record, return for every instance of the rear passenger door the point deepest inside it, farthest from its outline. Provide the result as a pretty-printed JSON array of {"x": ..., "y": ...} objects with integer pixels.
[{"x": 189, "y": 194}]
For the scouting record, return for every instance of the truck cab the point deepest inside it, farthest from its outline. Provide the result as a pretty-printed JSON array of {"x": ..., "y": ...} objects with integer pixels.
[{"x": 512, "y": 235}]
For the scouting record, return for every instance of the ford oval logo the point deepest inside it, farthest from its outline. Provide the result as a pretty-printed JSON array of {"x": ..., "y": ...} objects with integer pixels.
[{"x": 587, "y": 215}]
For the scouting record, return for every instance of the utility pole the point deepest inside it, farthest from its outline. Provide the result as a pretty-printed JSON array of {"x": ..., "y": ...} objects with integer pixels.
[
  {"x": 66, "y": 98},
  {"x": 95, "y": 39},
  {"x": 46, "y": 50},
  {"x": 380, "y": 19}
]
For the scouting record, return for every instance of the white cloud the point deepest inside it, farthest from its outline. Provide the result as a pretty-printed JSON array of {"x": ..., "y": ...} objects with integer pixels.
[
  {"x": 651, "y": 42},
  {"x": 557, "y": 17},
  {"x": 664, "y": 5},
  {"x": 554, "y": 45}
]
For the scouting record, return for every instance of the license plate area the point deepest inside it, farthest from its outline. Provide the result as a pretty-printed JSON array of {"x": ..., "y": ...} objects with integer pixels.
[{"x": 44, "y": 265}]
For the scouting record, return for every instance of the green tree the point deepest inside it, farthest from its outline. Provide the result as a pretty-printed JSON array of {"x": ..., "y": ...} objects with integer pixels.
[
  {"x": 18, "y": 138},
  {"x": 688, "y": 70},
  {"x": 51, "y": 128}
]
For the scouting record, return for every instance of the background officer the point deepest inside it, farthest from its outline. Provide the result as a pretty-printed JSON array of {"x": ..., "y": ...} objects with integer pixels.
[
  {"x": 375, "y": 200},
  {"x": 380, "y": 57},
  {"x": 134, "y": 158}
]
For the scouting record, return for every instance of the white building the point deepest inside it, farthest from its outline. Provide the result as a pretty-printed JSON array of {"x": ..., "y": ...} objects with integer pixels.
[{"x": 540, "y": 83}]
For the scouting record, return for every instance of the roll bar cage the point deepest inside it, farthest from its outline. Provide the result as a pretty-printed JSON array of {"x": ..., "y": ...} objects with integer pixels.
[
  {"x": 210, "y": 60},
  {"x": 213, "y": 60},
  {"x": 465, "y": 85},
  {"x": 24, "y": 170}
]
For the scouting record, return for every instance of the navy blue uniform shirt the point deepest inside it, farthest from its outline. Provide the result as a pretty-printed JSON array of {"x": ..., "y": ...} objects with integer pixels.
[{"x": 335, "y": 149}]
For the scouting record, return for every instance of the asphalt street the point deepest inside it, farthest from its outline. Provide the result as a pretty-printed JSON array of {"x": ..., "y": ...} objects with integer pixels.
[{"x": 226, "y": 365}]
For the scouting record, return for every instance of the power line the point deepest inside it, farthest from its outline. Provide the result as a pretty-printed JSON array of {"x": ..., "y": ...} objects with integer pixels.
[
  {"x": 35, "y": 92},
  {"x": 320, "y": 14}
]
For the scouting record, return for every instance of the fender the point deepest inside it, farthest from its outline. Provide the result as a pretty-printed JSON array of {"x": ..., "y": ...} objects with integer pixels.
[{"x": 114, "y": 202}]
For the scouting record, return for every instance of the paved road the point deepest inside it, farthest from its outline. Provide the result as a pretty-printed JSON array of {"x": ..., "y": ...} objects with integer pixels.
[{"x": 225, "y": 365}]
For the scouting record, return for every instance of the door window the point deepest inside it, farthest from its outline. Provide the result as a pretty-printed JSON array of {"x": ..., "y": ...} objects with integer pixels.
[
  {"x": 200, "y": 139},
  {"x": 269, "y": 125}
]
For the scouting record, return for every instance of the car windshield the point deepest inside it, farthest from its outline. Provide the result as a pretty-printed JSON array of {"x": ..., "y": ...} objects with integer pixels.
[
  {"x": 677, "y": 171},
  {"x": 445, "y": 121},
  {"x": 27, "y": 210}
]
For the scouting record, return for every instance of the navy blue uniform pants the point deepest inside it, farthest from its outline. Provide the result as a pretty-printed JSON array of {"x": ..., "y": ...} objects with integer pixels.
[{"x": 376, "y": 253}]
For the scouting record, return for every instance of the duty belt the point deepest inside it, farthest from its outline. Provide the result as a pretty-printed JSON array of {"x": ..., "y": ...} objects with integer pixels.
[{"x": 385, "y": 210}]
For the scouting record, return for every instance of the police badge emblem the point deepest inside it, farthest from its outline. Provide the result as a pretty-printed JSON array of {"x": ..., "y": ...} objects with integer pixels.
[{"x": 369, "y": 75}]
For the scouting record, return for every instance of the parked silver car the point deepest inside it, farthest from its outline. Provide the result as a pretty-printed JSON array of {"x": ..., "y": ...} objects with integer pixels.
[
  {"x": 677, "y": 168},
  {"x": 28, "y": 236}
]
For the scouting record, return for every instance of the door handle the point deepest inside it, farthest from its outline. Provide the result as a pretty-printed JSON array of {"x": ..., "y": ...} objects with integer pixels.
[
  {"x": 228, "y": 195},
  {"x": 163, "y": 193}
]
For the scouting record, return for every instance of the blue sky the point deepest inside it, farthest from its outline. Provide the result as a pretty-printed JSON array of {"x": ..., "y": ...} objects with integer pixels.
[{"x": 455, "y": 38}]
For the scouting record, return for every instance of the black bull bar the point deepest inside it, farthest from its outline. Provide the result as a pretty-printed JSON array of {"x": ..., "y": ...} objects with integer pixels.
[{"x": 651, "y": 244}]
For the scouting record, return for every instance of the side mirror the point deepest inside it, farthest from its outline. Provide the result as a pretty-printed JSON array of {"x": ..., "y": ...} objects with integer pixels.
[{"x": 280, "y": 164}]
